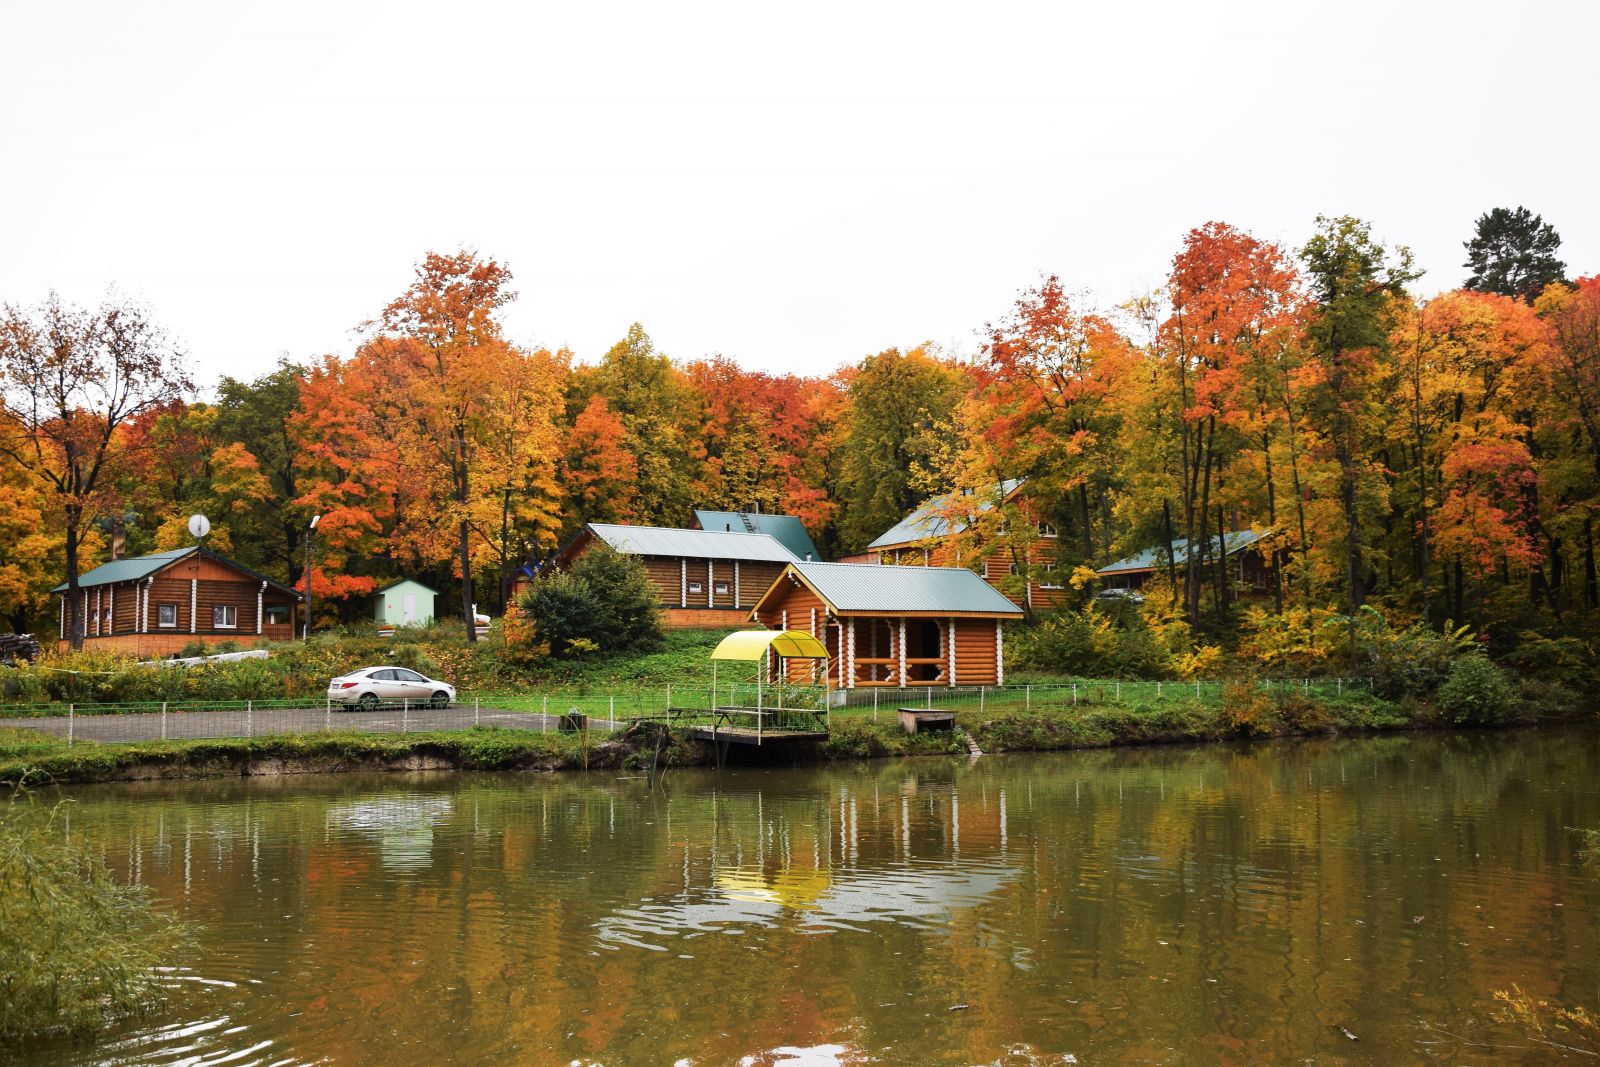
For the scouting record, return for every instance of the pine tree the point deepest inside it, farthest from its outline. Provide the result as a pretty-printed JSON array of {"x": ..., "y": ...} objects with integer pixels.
[{"x": 1513, "y": 253}]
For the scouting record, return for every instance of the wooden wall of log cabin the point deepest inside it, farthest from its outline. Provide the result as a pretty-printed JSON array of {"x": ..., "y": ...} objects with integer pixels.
[
  {"x": 722, "y": 583},
  {"x": 665, "y": 576},
  {"x": 755, "y": 579},
  {"x": 206, "y": 569},
  {"x": 125, "y": 613},
  {"x": 241, "y": 596},
  {"x": 976, "y": 663},
  {"x": 797, "y": 599},
  {"x": 169, "y": 591}
]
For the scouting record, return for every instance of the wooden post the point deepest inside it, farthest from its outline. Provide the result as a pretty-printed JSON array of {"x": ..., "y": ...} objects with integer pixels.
[
  {"x": 736, "y": 583},
  {"x": 904, "y": 681},
  {"x": 683, "y": 582},
  {"x": 194, "y": 602},
  {"x": 850, "y": 656},
  {"x": 950, "y": 649},
  {"x": 999, "y": 652}
]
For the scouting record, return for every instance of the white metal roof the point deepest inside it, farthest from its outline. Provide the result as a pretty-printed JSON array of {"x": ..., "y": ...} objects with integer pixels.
[{"x": 693, "y": 544}]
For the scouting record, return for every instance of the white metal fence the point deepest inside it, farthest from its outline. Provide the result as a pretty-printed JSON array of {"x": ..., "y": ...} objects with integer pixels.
[{"x": 603, "y": 711}]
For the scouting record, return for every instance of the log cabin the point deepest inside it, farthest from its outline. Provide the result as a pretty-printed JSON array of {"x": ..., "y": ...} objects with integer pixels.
[
  {"x": 704, "y": 579},
  {"x": 928, "y": 537},
  {"x": 893, "y": 626},
  {"x": 1250, "y": 564},
  {"x": 155, "y": 605}
]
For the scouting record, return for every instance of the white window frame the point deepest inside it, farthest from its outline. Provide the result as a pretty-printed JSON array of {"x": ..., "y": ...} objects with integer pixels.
[
  {"x": 721, "y": 589},
  {"x": 1047, "y": 529},
  {"x": 225, "y": 610},
  {"x": 161, "y": 616},
  {"x": 696, "y": 587},
  {"x": 1049, "y": 568}
]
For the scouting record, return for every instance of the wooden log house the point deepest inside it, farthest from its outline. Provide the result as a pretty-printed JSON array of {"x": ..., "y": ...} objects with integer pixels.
[
  {"x": 1249, "y": 564},
  {"x": 926, "y": 538},
  {"x": 155, "y": 605},
  {"x": 893, "y": 626},
  {"x": 704, "y": 579}
]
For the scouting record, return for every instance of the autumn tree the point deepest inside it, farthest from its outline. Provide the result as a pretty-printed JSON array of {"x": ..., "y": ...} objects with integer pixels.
[
  {"x": 253, "y": 428},
  {"x": 70, "y": 379},
  {"x": 652, "y": 399},
  {"x": 898, "y": 404},
  {"x": 451, "y": 350},
  {"x": 1235, "y": 306},
  {"x": 1045, "y": 375},
  {"x": 1355, "y": 283},
  {"x": 1513, "y": 253}
]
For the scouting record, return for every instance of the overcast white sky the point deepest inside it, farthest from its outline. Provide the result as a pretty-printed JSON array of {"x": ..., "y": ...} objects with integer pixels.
[{"x": 795, "y": 185}]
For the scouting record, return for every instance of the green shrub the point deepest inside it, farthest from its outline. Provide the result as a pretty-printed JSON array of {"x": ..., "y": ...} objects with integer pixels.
[
  {"x": 604, "y": 604},
  {"x": 1477, "y": 693},
  {"x": 79, "y": 948}
]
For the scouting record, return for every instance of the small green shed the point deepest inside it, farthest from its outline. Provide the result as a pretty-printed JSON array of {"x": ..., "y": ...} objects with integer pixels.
[{"x": 406, "y": 602}]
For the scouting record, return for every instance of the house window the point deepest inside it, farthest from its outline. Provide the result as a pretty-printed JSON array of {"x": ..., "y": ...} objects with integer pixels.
[
  {"x": 166, "y": 614},
  {"x": 1048, "y": 579},
  {"x": 225, "y": 617},
  {"x": 697, "y": 587},
  {"x": 278, "y": 614},
  {"x": 1046, "y": 530},
  {"x": 722, "y": 588}
]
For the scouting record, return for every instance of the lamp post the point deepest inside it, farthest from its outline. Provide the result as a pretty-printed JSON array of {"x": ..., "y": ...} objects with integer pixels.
[{"x": 310, "y": 532}]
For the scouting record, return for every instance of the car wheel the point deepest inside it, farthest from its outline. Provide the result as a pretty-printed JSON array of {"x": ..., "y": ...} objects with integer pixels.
[
  {"x": 368, "y": 702},
  {"x": 441, "y": 699}
]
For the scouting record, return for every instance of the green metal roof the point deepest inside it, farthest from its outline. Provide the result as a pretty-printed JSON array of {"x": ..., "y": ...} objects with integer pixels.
[
  {"x": 128, "y": 570},
  {"x": 787, "y": 530},
  {"x": 136, "y": 567},
  {"x": 693, "y": 544},
  {"x": 1154, "y": 558},
  {"x": 889, "y": 590},
  {"x": 927, "y": 522}
]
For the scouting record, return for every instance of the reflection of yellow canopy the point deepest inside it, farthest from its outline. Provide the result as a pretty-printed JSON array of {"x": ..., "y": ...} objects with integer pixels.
[
  {"x": 751, "y": 646},
  {"x": 793, "y": 889}
]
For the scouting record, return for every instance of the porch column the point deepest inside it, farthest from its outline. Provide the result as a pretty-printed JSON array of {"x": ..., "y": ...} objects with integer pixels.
[
  {"x": 194, "y": 602},
  {"x": 902, "y": 643},
  {"x": 63, "y": 625},
  {"x": 999, "y": 652},
  {"x": 145, "y": 617},
  {"x": 111, "y": 623},
  {"x": 850, "y": 652},
  {"x": 683, "y": 582},
  {"x": 260, "y": 591},
  {"x": 711, "y": 583},
  {"x": 950, "y": 649},
  {"x": 735, "y": 583}
]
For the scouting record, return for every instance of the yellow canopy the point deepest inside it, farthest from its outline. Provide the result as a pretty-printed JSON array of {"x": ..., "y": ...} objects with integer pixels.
[{"x": 750, "y": 646}]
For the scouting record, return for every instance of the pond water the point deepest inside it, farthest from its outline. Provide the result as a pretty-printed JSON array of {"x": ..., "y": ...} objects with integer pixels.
[{"x": 1209, "y": 904}]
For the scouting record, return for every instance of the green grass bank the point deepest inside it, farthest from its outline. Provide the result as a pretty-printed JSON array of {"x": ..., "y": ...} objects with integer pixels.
[{"x": 1237, "y": 712}]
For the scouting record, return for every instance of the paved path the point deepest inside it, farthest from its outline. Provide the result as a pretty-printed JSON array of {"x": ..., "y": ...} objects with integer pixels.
[{"x": 154, "y": 726}]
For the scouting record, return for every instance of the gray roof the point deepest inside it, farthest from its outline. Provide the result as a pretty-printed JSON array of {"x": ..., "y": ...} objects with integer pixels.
[
  {"x": 1153, "y": 558},
  {"x": 871, "y": 587},
  {"x": 789, "y": 531},
  {"x": 136, "y": 567},
  {"x": 927, "y": 522},
  {"x": 694, "y": 544}
]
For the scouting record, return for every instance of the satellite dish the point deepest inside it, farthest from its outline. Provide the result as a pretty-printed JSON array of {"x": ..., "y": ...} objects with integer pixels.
[{"x": 199, "y": 525}]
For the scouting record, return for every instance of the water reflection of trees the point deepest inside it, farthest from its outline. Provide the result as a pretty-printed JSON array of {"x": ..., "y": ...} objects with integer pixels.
[{"x": 1129, "y": 900}]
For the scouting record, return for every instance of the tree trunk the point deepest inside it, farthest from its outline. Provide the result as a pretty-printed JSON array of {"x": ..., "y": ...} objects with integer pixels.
[
  {"x": 74, "y": 594},
  {"x": 1172, "y": 564},
  {"x": 1275, "y": 559},
  {"x": 1222, "y": 564},
  {"x": 1591, "y": 587}
]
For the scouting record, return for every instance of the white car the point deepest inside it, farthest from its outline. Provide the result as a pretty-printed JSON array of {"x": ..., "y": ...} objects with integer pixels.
[{"x": 371, "y": 687}]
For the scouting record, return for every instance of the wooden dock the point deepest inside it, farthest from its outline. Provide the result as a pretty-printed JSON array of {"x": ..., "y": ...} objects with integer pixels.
[{"x": 762, "y": 726}]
